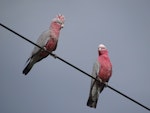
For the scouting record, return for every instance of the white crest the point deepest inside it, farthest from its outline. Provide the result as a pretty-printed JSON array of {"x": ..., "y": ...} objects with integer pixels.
[
  {"x": 101, "y": 46},
  {"x": 60, "y": 19}
]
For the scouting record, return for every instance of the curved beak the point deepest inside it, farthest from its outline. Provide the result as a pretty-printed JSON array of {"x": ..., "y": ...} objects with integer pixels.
[
  {"x": 99, "y": 48},
  {"x": 62, "y": 25}
]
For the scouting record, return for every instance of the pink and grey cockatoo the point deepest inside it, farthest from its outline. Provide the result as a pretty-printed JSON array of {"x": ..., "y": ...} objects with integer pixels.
[
  {"x": 102, "y": 70},
  {"x": 47, "y": 40}
]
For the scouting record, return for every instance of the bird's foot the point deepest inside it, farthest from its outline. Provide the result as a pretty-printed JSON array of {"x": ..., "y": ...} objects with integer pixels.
[
  {"x": 106, "y": 84},
  {"x": 44, "y": 48},
  {"x": 100, "y": 80}
]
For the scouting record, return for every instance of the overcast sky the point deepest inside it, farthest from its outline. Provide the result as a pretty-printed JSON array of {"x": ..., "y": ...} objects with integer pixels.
[{"x": 54, "y": 87}]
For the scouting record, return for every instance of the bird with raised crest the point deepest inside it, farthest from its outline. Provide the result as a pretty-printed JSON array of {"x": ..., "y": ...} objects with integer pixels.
[{"x": 48, "y": 40}]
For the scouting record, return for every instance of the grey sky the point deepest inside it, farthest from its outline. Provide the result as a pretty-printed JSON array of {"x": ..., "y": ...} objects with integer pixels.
[{"x": 52, "y": 86}]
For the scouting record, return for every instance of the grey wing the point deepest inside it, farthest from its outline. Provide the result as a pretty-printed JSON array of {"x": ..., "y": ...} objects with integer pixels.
[
  {"x": 95, "y": 88},
  {"x": 96, "y": 68},
  {"x": 42, "y": 40},
  {"x": 95, "y": 71}
]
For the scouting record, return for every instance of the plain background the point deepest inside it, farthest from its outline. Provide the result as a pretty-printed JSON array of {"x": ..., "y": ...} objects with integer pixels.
[{"x": 54, "y": 87}]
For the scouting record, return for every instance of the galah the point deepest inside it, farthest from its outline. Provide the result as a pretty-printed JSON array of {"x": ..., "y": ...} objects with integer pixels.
[
  {"x": 47, "y": 40},
  {"x": 102, "y": 70}
]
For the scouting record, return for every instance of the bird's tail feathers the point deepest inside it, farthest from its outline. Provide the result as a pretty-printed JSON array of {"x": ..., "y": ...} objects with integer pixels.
[
  {"x": 28, "y": 60},
  {"x": 96, "y": 89},
  {"x": 91, "y": 103},
  {"x": 29, "y": 65}
]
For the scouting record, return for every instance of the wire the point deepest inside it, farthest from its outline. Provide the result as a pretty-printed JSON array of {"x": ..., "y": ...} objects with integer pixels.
[{"x": 55, "y": 56}]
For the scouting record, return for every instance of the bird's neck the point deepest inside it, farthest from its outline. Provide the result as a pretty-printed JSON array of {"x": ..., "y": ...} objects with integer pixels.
[
  {"x": 104, "y": 59},
  {"x": 55, "y": 29},
  {"x": 104, "y": 52}
]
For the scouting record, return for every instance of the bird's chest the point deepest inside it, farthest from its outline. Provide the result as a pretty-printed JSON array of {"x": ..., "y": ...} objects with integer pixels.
[
  {"x": 105, "y": 69},
  {"x": 51, "y": 44}
]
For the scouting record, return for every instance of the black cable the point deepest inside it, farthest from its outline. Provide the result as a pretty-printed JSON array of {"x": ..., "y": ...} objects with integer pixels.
[{"x": 76, "y": 67}]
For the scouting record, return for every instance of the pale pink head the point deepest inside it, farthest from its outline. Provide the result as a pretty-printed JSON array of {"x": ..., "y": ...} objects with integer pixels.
[
  {"x": 59, "y": 19},
  {"x": 102, "y": 49}
]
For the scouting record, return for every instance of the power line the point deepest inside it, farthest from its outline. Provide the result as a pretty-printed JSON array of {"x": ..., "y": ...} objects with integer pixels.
[{"x": 54, "y": 55}]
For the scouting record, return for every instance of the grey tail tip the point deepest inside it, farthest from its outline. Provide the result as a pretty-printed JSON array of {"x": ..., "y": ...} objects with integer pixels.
[
  {"x": 27, "y": 69},
  {"x": 91, "y": 103},
  {"x": 25, "y": 72}
]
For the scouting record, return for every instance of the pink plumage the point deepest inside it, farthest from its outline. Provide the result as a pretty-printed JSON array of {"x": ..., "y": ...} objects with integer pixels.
[
  {"x": 102, "y": 70},
  {"x": 48, "y": 40},
  {"x": 105, "y": 65}
]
